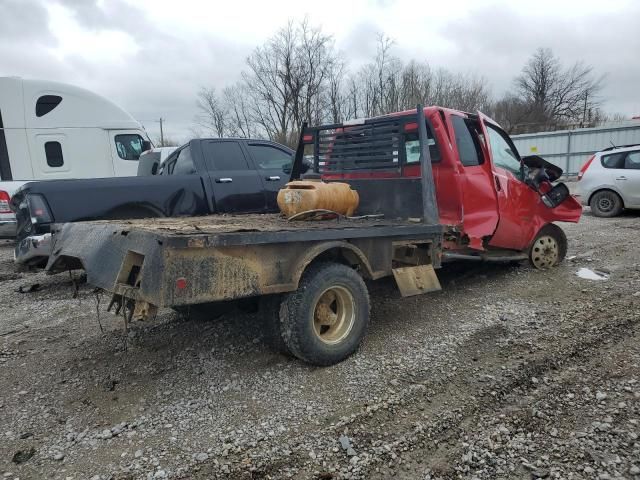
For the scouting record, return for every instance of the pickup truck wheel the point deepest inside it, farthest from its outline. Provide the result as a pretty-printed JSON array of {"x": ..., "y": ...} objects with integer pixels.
[
  {"x": 324, "y": 321},
  {"x": 606, "y": 204},
  {"x": 549, "y": 247},
  {"x": 269, "y": 311}
]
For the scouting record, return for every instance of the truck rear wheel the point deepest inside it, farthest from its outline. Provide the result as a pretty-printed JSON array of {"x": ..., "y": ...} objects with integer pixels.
[
  {"x": 549, "y": 247},
  {"x": 324, "y": 321}
]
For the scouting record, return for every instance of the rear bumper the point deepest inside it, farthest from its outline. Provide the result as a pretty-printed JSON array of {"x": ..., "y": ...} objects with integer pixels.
[
  {"x": 33, "y": 250},
  {"x": 7, "y": 227}
]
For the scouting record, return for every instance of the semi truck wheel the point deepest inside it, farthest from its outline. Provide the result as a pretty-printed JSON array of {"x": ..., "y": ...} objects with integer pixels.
[
  {"x": 549, "y": 247},
  {"x": 324, "y": 321}
]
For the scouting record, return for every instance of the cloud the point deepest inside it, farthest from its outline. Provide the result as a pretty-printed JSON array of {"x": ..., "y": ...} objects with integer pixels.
[
  {"x": 152, "y": 56},
  {"x": 497, "y": 43}
]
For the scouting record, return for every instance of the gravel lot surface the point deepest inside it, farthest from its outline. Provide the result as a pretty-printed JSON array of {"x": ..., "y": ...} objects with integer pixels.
[{"x": 508, "y": 373}]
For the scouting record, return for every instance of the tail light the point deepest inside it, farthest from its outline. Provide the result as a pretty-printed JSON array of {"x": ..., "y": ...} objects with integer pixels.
[
  {"x": 585, "y": 166},
  {"x": 38, "y": 209},
  {"x": 4, "y": 202}
]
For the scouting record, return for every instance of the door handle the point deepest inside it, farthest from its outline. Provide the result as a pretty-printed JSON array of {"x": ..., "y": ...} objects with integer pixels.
[
  {"x": 224, "y": 180},
  {"x": 621, "y": 178},
  {"x": 273, "y": 178}
]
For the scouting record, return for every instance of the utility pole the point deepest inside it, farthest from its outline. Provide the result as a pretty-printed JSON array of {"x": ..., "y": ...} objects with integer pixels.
[{"x": 161, "y": 133}]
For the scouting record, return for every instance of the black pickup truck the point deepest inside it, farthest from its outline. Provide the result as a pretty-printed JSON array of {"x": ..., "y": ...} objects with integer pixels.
[{"x": 203, "y": 177}]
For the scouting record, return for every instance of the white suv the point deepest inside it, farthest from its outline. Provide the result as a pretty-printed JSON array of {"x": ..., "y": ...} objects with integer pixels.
[{"x": 610, "y": 181}]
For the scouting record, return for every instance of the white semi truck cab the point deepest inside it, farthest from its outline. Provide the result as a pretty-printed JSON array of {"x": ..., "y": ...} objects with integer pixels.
[{"x": 51, "y": 130}]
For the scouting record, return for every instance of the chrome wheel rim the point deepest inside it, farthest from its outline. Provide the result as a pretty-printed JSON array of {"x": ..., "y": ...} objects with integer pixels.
[
  {"x": 545, "y": 252},
  {"x": 334, "y": 315}
]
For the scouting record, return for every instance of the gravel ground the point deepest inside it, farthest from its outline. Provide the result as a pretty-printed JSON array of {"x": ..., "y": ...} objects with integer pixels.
[{"x": 508, "y": 373}]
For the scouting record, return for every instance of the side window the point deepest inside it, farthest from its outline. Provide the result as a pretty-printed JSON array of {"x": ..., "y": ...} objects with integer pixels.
[
  {"x": 412, "y": 147},
  {"x": 166, "y": 167},
  {"x": 46, "y": 103},
  {"x": 184, "y": 163},
  {"x": 632, "y": 162},
  {"x": 224, "y": 156},
  {"x": 615, "y": 160},
  {"x": 503, "y": 152},
  {"x": 467, "y": 142},
  {"x": 266, "y": 156},
  {"x": 53, "y": 152},
  {"x": 129, "y": 146}
]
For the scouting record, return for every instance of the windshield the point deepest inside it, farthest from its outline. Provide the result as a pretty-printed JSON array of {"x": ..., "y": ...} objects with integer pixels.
[
  {"x": 503, "y": 153},
  {"x": 129, "y": 146}
]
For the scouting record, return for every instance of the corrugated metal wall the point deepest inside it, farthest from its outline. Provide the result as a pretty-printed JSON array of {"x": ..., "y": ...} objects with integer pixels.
[{"x": 569, "y": 149}]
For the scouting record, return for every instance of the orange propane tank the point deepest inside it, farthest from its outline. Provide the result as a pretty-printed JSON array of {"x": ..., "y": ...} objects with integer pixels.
[{"x": 304, "y": 195}]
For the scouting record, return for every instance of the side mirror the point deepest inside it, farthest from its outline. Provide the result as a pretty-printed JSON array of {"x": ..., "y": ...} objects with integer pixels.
[{"x": 146, "y": 145}]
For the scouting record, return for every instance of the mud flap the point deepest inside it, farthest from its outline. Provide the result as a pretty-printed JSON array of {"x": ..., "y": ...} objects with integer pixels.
[{"x": 416, "y": 280}]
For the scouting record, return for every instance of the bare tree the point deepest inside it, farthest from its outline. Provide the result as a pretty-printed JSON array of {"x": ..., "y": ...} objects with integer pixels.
[
  {"x": 387, "y": 85},
  {"x": 298, "y": 76},
  {"x": 290, "y": 79},
  {"x": 211, "y": 112},
  {"x": 555, "y": 94},
  {"x": 239, "y": 121}
]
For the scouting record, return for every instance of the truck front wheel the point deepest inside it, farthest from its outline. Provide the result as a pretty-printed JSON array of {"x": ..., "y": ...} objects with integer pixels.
[
  {"x": 549, "y": 247},
  {"x": 324, "y": 321}
]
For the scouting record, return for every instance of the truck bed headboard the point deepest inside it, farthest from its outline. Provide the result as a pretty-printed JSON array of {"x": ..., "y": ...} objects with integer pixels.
[{"x": 369, "y": 155}]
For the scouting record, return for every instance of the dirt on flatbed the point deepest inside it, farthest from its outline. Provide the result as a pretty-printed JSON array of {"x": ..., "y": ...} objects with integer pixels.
[
  {"x": 222, "y": 223},
  {"x": 508, "y": 373}
]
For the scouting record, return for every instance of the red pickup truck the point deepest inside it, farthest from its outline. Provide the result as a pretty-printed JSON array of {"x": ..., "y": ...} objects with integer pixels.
[
  {"x": 448, "y": 185},
  {"x": 495, "y": 204}
]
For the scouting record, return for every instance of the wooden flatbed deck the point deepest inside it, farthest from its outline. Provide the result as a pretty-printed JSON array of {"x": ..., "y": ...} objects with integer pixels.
[{"x": 219, "y": 224}]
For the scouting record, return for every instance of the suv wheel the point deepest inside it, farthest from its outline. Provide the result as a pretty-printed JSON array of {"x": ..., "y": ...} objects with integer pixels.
[{"x": 606, "y": 204}]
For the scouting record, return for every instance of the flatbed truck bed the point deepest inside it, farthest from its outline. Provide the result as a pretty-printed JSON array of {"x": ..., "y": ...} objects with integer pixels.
[
  {"x": 308, "y": 274},
  {"x": 225, "y": 257}
]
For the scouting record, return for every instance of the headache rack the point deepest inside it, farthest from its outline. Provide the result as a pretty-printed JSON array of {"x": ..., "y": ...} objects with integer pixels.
[{"x": 367, "y": 154}]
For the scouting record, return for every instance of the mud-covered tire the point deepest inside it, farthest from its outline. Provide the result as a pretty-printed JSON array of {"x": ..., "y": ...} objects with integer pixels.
[
  {"x": 326, "y": 318},
  {"x": 269, "y": 311},
  {"x": 606, "y": 203},
  {"x": 549, "y": 247}
]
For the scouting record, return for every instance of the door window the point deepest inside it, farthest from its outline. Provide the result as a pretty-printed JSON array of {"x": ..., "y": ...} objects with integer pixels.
[
  {"x": 183, "y": 165},
  {"x": 224, "y": 156},
  {"x": 632, "y": 162},
  {"x": 129, "y": 146},
  {"x": 467, "y": 142},
  {"x": 615, "y": 160},
  {"x": 268, "y": 157},
  {"x": 53, "y": 152},
  {"x": 503, "y": 153}
]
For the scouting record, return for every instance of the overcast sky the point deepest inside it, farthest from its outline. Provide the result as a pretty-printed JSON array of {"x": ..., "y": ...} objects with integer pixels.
[{"x": 152, "y": 56}]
